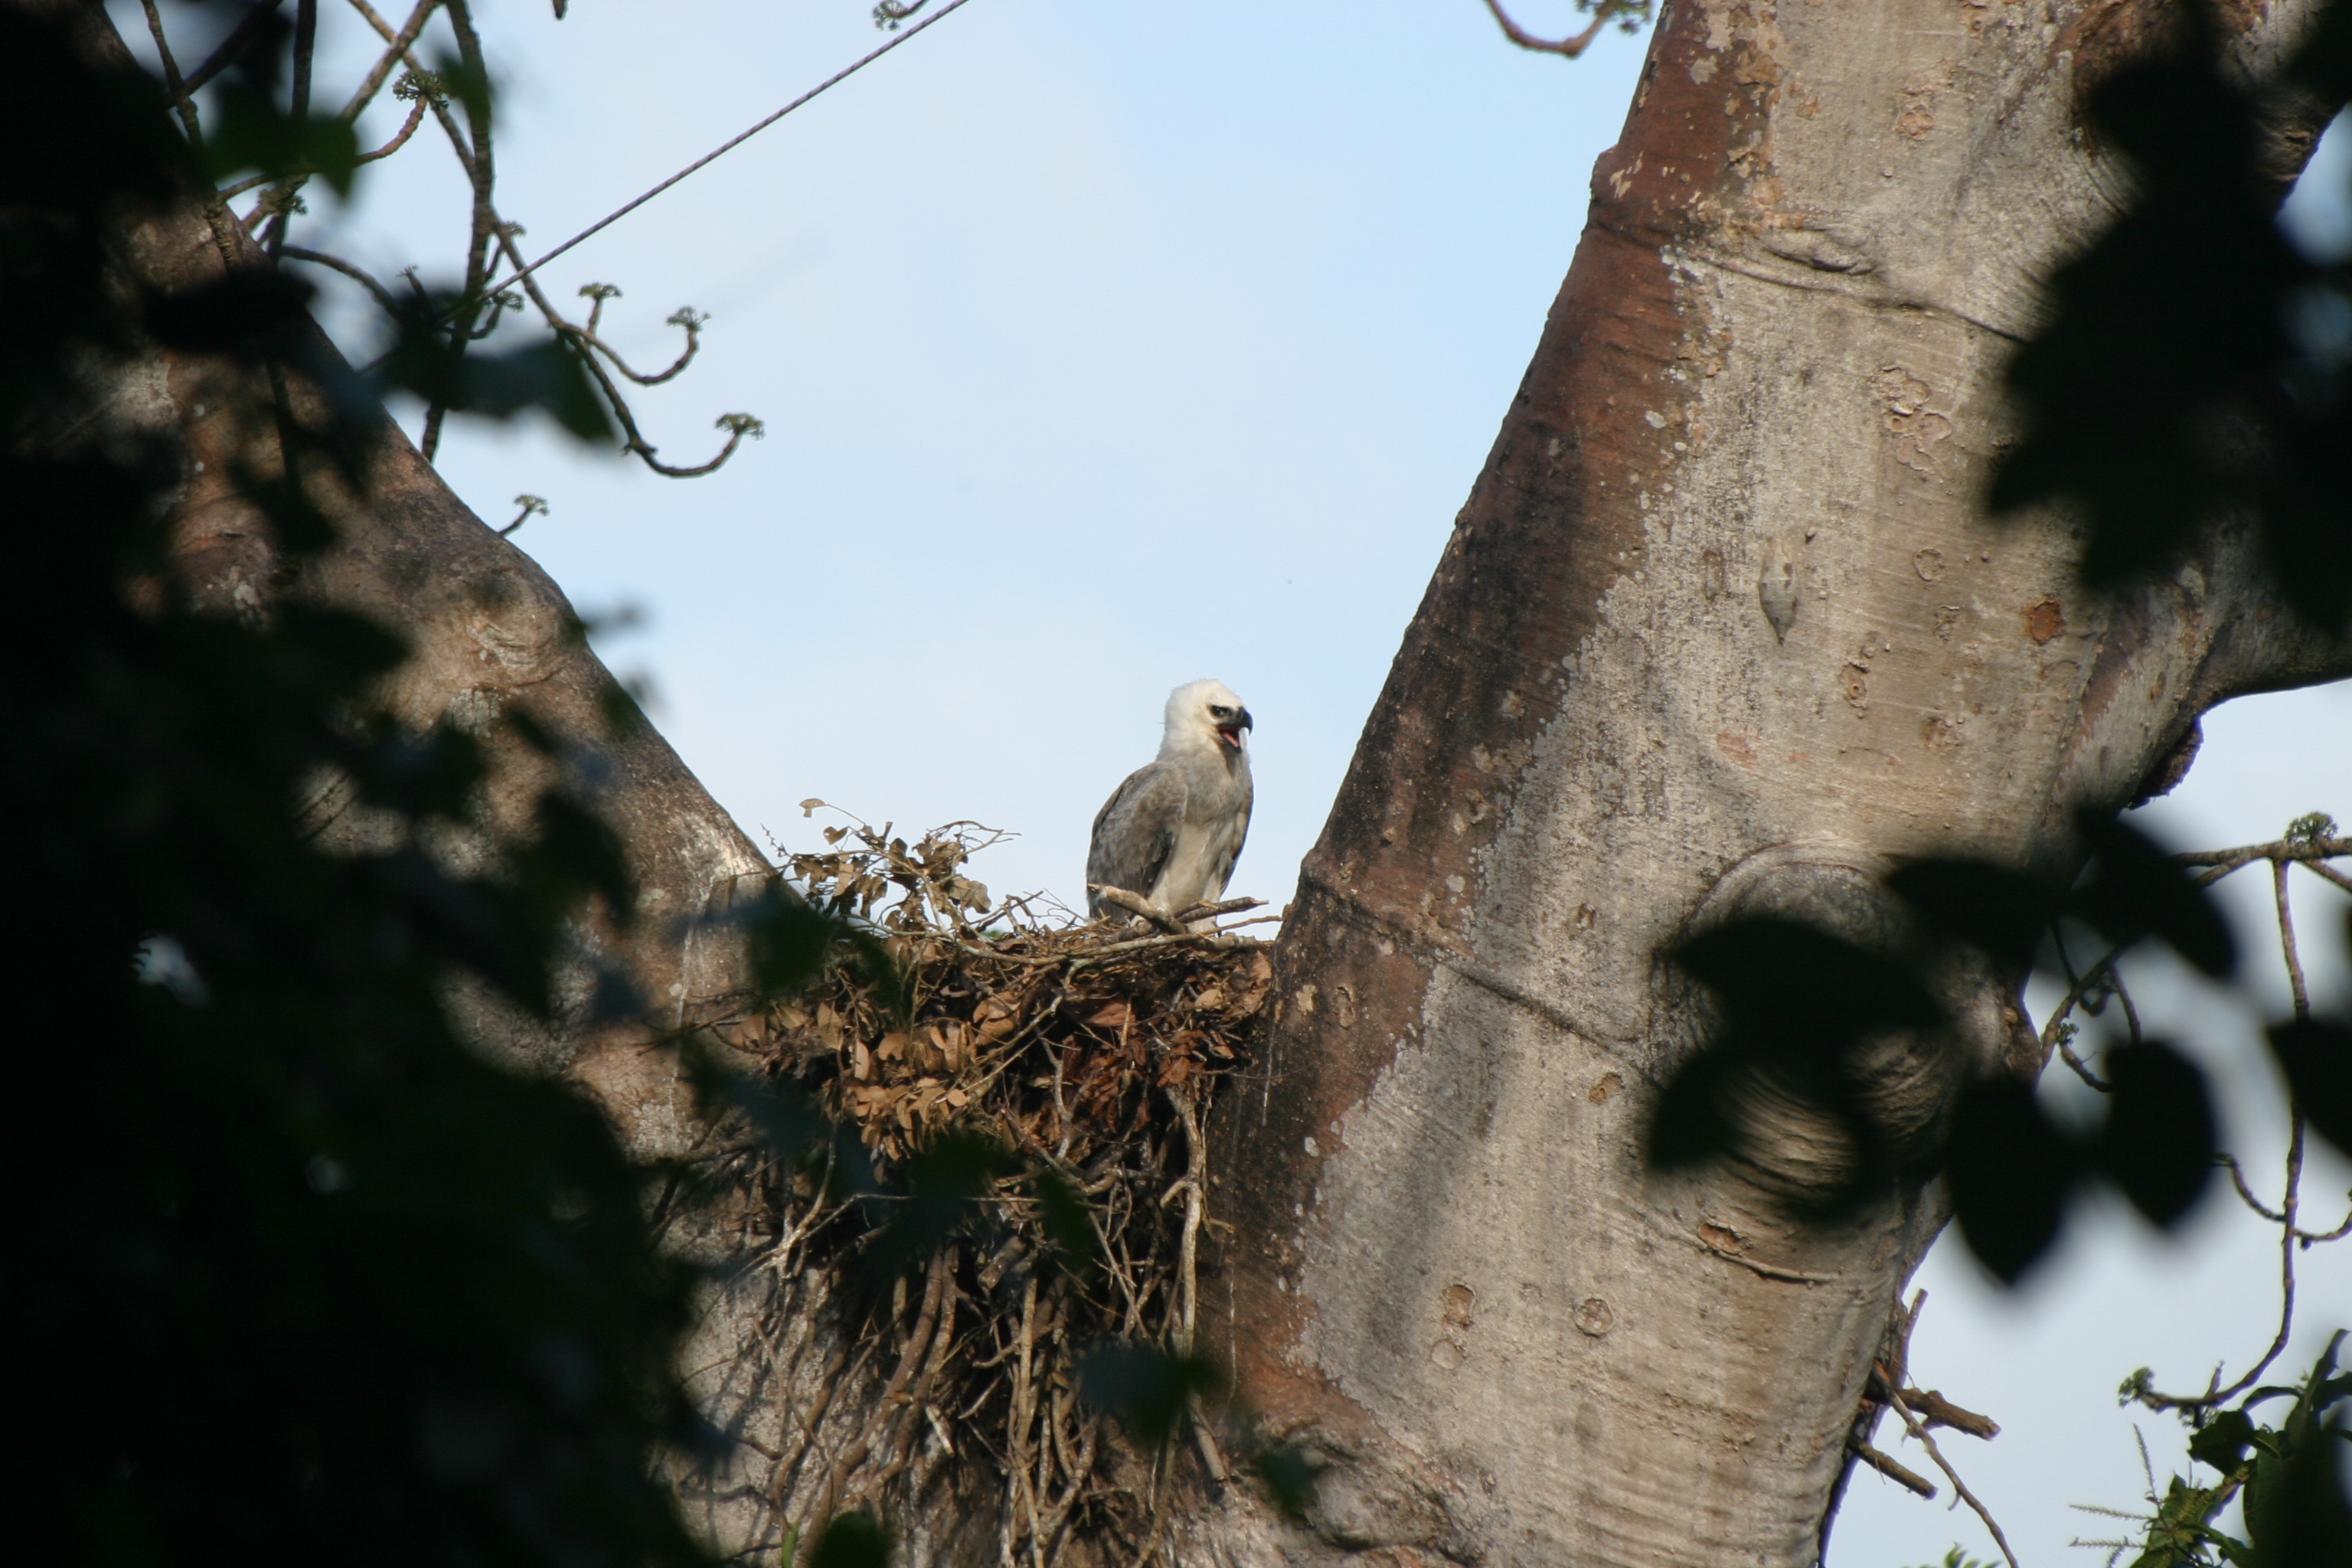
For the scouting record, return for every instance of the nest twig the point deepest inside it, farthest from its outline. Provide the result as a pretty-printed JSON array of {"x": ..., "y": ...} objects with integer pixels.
[{"x": 1089, "y": 1050}]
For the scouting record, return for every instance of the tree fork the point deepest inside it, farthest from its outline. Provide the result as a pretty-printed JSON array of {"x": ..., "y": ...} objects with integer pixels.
[{"x": 1722, "y": 627}]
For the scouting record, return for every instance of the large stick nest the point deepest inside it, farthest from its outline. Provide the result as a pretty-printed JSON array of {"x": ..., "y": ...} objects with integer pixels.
[{"x": 1088, "y": 1055}]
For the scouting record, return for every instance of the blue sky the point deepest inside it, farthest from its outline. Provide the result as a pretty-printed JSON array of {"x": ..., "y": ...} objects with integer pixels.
[{"x": 1105, "y": 346}]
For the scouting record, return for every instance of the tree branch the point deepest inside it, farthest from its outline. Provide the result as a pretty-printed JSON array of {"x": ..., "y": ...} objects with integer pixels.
[
  {"x": 357, "y": 275},
  {"x": 1570, "y": 47},
  {"x": 393, "y": 55}
]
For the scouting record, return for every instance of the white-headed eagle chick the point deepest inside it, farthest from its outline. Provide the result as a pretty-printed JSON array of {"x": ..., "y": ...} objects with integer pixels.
[{"x": 1173, "y": 830}]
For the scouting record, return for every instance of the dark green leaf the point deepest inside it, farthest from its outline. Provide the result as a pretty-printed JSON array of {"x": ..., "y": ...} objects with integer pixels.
[
  {"x": 2157, "y": 1142},
  {"x": 1692, "y": 1123},
  {"x": 1149, "y": 1389},
  {"x": 1978, "y": 901},
  {"x": 2316, "y": 1057},
  {"x": 2296, "y": 1511},
  {"x": 1062, "y": 1211},
  {"x": 2012, "y": 1171},
  {"x": 2136, "y": 891},
  {"x": 852, "y": 1540},
  {"x": 2222, "y": 1442},
  {"x": 1785, "y": 987}
]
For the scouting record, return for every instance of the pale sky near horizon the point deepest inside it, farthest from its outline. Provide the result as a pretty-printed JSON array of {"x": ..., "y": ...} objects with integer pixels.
[{"x": 1102, "y": 346}]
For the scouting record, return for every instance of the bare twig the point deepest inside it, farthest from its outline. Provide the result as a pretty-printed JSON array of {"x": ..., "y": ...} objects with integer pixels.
[
  {"x": 2238, "y": 1178},
  {"x": 1574, "y": 44},
  {"x": 399, "y": 138},
  {"x": 395, "y": 53},
  {"x": 2286, "y": 941},
  {"x": 1891, "y": 1468},
  {"x": 2289, "y": 1238},
  {"x": 1918, "y": 1431},
  {"x": 726, "y": 147},
  {"x": 2319, "y": 846},
  {"x": 382, "y": 295}
]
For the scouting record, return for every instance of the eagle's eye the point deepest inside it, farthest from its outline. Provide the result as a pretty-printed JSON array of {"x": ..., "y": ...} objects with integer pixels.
[{"x": 1219, "y": 710}]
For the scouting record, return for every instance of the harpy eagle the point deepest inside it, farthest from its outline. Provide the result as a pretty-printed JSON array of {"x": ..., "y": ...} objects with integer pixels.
[{"x": 1173, "y": 830}]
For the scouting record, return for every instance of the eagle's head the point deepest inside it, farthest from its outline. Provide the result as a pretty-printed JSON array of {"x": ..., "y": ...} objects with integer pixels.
[{"x": 1207, "y": 712}]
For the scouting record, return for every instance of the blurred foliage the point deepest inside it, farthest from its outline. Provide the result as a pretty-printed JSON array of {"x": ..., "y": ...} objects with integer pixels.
[
  {"x": 299, "y": 1276},
  {"x": 2197, "y": 369},
  {"x": 1802, "y": 1008}
]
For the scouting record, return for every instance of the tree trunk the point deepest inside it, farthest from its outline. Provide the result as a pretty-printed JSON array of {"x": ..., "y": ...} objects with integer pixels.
[
  {"x": 490, "y": 632},
  {"x": 1722, "y": 627}
]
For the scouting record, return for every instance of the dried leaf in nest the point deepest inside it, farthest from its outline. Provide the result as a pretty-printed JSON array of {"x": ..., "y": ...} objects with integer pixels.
[{"x": 1092, "y": 1052}]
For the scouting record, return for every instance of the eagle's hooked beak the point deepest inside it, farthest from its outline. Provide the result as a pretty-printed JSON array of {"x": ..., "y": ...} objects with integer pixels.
[{"x": 1231, "y": 734}]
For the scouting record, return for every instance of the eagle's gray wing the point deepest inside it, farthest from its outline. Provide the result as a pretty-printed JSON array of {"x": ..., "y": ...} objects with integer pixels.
[{"x": 1135, "y": 832}]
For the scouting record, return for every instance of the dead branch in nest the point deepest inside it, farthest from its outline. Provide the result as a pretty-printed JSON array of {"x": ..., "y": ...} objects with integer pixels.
[{"x": 1089, "y": 1052}]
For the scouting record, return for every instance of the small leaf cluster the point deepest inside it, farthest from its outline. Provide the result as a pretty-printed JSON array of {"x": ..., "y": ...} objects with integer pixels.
[{"x": 2289, "y": 1475}]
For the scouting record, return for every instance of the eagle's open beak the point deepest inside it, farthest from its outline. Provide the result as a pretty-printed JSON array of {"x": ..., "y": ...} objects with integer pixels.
[{"x": 1231, "y": 734}]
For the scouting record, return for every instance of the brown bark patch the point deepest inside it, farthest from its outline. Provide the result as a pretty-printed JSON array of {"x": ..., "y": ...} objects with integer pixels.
[
  {"x": 1605, "y": 1090},
  {"x": 2044, "y": 619},
  {"x": 1917, "y": 115},
  {"x": 1918, "y": 429},
  {"x": 1459, "y": 1301},
  {"x": 1739, "y": 746}
]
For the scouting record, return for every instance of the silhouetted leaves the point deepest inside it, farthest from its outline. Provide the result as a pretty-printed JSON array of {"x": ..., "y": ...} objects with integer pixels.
[
  {"x": 2002, "y": 911},
  {"x": 2157, "y": 1144},
  {"x": 2157, "y": 1141},
  {"x": 1785, "y": 987},
  {"x": 2316, "y": 1057},
  {"x": 1288, "y": 1476},
  {"x": 311, "y": 1277},
  {"x": 937, "y": 1196},
  {"x": 1796, "y": 1003},
  {"x": 2197, "y": 368},
  {"x": 2012, "y": 1171},
  {"x": 548, "y": 376},
  {"x": 2136, "y": 890},
  {"x": 246, "y": 313},
  {"x": 251, "y": 132},
  {"x": 1692, "y": 1123},
  {"x": 1147, "y": 1389},
  {"x": 852, "y": 1540},
  {"x": 1063, "y": 1211}
]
